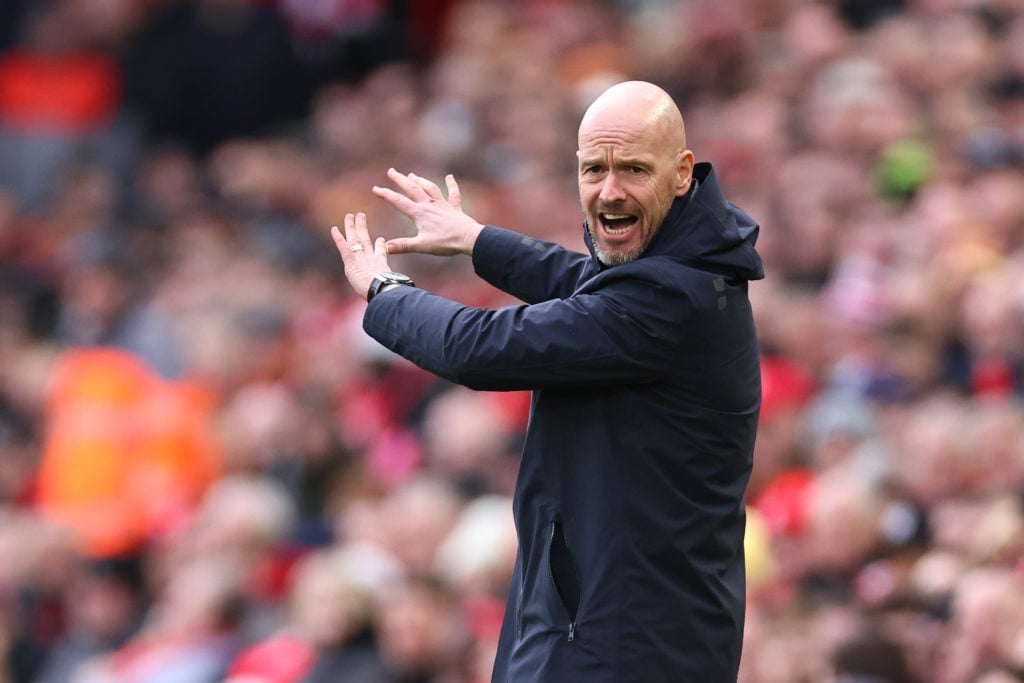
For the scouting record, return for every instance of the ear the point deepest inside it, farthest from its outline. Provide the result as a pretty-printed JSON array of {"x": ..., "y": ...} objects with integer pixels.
[{"x": 684, "y": 172}]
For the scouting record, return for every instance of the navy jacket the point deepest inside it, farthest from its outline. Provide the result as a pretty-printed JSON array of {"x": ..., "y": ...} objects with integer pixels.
[{"x": 646, "y": 391}]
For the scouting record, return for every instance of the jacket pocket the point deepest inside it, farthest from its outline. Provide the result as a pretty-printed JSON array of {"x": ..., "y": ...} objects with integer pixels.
[{"x": 564, "y": 576}]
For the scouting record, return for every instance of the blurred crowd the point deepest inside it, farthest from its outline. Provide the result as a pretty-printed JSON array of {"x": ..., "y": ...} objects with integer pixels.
[{"x": 208, "y": 472}]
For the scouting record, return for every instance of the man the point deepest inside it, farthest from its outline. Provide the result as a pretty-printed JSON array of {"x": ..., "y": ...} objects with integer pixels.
[{"x": 643, "y": 362}]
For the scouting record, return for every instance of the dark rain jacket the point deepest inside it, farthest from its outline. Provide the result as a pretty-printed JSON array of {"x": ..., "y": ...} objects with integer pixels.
[{"x": 646, "y": 391}]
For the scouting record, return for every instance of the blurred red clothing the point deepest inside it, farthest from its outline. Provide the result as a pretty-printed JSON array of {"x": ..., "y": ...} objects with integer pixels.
[
  {"x": 784, "y": 501},
  {"x": 992, "y": 377},
  {"x": 785, "y": 386},
  {"x": 73, "y": 93},
  {"x": 283, "y": 658}
]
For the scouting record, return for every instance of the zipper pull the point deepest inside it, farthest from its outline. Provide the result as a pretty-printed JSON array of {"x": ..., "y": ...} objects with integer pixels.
[{"x": 572, "y": 631}]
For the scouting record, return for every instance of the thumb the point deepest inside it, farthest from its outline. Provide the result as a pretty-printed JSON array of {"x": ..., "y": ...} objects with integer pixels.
[{"x": 400, "y": 245}]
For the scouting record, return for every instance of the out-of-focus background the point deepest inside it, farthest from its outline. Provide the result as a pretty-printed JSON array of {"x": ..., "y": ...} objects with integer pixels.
[{"x": 208, "y": 472}]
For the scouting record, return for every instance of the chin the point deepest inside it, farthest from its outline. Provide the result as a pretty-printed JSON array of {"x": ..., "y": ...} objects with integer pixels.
[
  {"x": 614, "y": 257},
  {"x": 618, "y": 257}
]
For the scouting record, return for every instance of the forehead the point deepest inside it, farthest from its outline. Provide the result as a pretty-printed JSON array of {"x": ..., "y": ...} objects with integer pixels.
[
  {"x": 620, "y": 129},
  {"x": 628, "y": 142}
]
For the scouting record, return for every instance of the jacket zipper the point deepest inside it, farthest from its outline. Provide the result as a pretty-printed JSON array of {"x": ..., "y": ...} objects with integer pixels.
[{"x": 558, "y": 593}]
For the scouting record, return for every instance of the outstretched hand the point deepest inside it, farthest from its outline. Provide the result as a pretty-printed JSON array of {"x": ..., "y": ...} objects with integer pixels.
[
  {"x": 442, "y": 228},
  {"x": 363, "y": 258}
]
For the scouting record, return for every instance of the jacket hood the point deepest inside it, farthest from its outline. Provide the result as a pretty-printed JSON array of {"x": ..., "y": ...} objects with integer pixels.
[{"x": 706, "y": 232}]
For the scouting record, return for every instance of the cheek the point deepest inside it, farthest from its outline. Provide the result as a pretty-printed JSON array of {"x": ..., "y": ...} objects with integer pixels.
[
  {"x": 588, "y": 194},
  {"x": 663, "y": 201}
]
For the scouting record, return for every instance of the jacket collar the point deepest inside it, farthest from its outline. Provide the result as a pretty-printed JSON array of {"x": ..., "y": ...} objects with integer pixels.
[{"x": 704, "y": 230}]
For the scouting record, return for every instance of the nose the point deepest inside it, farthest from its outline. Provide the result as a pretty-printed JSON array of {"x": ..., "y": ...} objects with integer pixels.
[{"x": 611, "y": 190}]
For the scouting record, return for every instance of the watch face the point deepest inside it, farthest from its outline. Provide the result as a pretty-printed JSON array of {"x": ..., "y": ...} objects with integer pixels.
[
  {"x": 396, "y": 278},
  {"x": 383, "y": 279}
]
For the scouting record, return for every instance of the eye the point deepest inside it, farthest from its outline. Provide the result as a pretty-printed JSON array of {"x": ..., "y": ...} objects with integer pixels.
[
  {"x": 592, "y": 169},
  {"x": 636, "y": 170}
]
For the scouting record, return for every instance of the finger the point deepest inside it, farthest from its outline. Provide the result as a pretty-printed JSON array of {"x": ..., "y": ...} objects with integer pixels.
[
  {"x": 399, "y": 201},
  {"x": 400, "y": 245},
  {"x": 410, "y": 187},
  {"x": 429, "y": 186},
  {"x": 454, "y": 193},
  {"x": 361, "y": 231},
  {"x": 341, "y": 244},
  {"x": 350, "y": 232},
  {"x": 380, "y": 246}
]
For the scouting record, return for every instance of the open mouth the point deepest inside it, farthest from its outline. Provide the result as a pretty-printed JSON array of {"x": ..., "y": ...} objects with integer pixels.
[{"x": 617, "y": 223}]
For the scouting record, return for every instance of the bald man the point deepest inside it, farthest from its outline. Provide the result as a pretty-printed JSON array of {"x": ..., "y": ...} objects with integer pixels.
[{"x": 644, "y": 367}]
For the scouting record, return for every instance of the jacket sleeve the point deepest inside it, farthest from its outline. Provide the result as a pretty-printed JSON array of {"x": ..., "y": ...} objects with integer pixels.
[
  {"x": 529, "y": 269},
  {"x": 623, "y": 333}
]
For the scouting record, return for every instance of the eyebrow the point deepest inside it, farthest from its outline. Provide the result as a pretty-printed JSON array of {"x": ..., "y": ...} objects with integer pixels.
[{"x": 643, "y": 161}]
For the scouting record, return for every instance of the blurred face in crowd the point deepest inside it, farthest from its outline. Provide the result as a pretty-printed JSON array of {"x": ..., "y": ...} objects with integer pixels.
[
  {"x": 633, "y": 163},
  {"x": 327, "y": 606},
  {"x": 417, "y": 630}
]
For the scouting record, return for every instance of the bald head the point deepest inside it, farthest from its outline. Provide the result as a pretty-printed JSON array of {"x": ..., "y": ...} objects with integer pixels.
[{"x": 639, "y": 107}]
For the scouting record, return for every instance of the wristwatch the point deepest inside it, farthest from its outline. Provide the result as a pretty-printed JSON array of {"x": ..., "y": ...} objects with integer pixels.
[{"x": 382, "y": 280}]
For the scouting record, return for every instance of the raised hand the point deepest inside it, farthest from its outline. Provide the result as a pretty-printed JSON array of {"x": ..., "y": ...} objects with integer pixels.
[
  {"x": 363, "y": 257},
  {"x": 442, "y": 228}
]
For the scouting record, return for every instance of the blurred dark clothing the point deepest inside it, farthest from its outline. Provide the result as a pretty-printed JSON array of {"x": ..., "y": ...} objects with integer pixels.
[
  {"x": 204, "y": 71},
  {"x": 12, "y": 12},
  {"x": 870, "y": 657},
  {"x": 354, "y": 663},
  {"x": 346, "y": 39},
  {"x": 104, "y": 610},
  {"x": 863, "y": 14}
]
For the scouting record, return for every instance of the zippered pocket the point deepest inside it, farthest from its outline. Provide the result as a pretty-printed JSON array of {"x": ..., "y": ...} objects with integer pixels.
[{"x": 564, "y": 576}]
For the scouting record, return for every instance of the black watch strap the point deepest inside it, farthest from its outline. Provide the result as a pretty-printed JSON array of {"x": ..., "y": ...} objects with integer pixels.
[{"x": 382, "y": 280}]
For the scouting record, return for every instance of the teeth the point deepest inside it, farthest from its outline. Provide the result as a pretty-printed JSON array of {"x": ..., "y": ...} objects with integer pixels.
[{"x": 605, "y": 217}]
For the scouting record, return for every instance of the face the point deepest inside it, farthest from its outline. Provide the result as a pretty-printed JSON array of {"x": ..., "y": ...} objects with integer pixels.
[{"x": 628, "y": 179}]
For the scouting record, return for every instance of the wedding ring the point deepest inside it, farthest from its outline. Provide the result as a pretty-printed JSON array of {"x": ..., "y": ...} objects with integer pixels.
[{"x": 357, "y": 247}]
